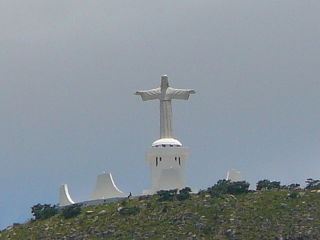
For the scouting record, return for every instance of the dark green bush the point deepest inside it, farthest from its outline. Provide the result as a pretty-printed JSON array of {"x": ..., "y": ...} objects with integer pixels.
[
  {"x": 43, "y": 211},
  {"x": 184, "y": 194},
  {"x": 228, "y": 187},
  {"x": 238, "y": 187},
  {"x": 293, "y": 186},
  {"x": 185, "y": 190},
  {"x": 167, "y": 195},
  {"x": 267, "y": 185},
  {"x": 71, "y": 211},
  {"x": 170, "y": 195},
  {"x": 312, "y": 184}
]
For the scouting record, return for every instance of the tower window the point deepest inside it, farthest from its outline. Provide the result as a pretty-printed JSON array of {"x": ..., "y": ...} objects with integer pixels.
[
  {"x": 160, "y": 159},
  {"x": 175, "y": 158},
  {"x": 156, "y": 162},
  {"x": 179, "y": 161}
]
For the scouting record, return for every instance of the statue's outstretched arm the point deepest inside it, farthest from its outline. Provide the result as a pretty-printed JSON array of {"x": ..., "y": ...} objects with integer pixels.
[
  {"x": 182, "y": 94},
  {"x": 149, "y": 94}
]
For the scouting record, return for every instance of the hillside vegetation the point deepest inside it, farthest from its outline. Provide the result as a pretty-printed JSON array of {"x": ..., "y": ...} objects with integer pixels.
[{"x": 212, "y": 214}]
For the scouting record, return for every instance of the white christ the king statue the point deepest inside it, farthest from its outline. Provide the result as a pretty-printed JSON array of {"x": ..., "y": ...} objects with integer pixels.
[{"x": 165, "y": 94}]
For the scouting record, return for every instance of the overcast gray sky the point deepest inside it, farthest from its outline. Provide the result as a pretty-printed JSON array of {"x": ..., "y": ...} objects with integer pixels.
[{"x": 68, "y": 71}]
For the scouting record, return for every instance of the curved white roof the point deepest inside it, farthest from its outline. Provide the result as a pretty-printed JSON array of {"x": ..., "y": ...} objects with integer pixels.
[
  {"x": 105, "y": 188},
  {"x": 166, "y": 142},
  {"x": 64, "y": 196}
]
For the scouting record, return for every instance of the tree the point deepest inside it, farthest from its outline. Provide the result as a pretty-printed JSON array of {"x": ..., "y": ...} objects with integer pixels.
[
  {"x": 71, "y": 211},
  {"x": 170, "y": 195},
  {"x": 167, "y": 195},
  {"x": 313, "y": 184},
  {"x": 184, "y": 194},
  {"x": 267, "y": 184},
  {"x": 293, "y": 186},
  {"x": 228, "y": 187},
  {"x": 238, "y": 187},
  {"x": 43, "y": 211}
]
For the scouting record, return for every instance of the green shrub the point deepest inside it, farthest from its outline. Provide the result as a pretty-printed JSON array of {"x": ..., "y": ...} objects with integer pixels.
[
  {"x": 293, "y": 195},
  {"x": 43, "y": 211},
  {"x": 184, "y": 194},
  {"x": 293, "y": 186},
  {"x": 167, "y": 195},
  {"x": 238, "y": 187},
  {"x": 170, "y": 195},
  {"x": 124, "y": 202},
  {"x": 129, "y": 210},
  {"x": 267, "y": 185},
  {"x": 185, "y": 190},
  {"x": 312, "y": 184},
  {"x": 228, "y": 187},
  {"x": 71, "y": 211}
]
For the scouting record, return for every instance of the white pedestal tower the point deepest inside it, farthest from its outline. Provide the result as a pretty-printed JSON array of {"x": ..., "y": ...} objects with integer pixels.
[{"x": 167, "y": 157}]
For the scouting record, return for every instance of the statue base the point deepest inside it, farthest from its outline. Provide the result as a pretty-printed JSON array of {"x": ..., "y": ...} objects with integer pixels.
[{"x": 167, "y": 159}]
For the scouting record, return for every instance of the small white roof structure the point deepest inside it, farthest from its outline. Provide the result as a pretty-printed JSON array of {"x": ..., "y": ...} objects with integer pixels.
[
  {"x": 166, "y": 142},
  {"x": 64, "y": 196},
  {"x": 234, "y": 176},
  {"x": 106, "y": 188}
]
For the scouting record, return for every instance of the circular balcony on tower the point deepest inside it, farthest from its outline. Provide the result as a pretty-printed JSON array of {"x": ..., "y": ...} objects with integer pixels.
[{"x": 166, "y": 142}]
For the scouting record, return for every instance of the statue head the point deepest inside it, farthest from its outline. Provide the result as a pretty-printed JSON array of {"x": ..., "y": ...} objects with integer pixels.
[{"x": 164, "y": 81}]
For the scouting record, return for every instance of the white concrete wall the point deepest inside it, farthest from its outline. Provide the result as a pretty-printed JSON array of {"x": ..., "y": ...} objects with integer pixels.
[{"x": 167, "y": 165}]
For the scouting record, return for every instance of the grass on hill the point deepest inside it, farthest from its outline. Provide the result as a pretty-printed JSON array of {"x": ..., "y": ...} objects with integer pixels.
[{"x": 260, "y": 215}]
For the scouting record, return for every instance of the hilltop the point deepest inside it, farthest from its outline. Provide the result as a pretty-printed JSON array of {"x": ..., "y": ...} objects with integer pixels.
[{"x": 266, "y": 214}]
